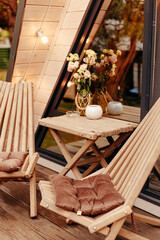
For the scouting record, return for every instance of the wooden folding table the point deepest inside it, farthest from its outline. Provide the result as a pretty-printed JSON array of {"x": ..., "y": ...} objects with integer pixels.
[{"x": 90, "y": 130}]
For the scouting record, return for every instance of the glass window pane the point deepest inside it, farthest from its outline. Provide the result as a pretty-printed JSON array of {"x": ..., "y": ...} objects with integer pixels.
[
  {"x": 8, "y": 10},
  {"x": 121, "y": 28}
]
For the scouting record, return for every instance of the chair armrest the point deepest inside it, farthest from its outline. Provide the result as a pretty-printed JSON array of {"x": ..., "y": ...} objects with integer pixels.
[
  {"x": 32, "y": 164},
  {"x": 109, "y": 218}
]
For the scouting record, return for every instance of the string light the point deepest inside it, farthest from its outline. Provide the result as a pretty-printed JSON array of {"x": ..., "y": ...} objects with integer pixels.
[
  {"x": 88, "y": 40},
  {"x": 69, "y": 84},
  {"x": 43, "y": 38}
]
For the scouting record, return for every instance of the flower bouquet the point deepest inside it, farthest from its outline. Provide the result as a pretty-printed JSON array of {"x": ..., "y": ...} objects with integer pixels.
[{"x": 92, "y": 75}]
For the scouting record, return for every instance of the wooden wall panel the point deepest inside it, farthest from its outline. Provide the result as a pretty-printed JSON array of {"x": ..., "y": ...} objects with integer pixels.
[
  {"x": 48, "y": 82},
  {"x": 53, "y": 68},
  {"x": 28, "y": 43},
  {"x": 59, "y": 20},
  {"x": 59, "y": 3},
  {"x": 38, "y": 56},
  {"x": 30, "y": 29},
  {"x": 34, "y": 69},
  {"x": 59, "y": 53},
  {"x": 43, "y": 95},
  {"x": 77, "y": 6},
  {"x": 66, "y": 37},
  {"x": 37, "y": 13},
  {"x": 72, "y": 20}
]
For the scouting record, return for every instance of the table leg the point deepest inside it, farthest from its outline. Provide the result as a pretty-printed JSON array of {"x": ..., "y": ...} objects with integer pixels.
[
  {"x": 116, "y": 144},
  {"x": 70, "y": 161}
]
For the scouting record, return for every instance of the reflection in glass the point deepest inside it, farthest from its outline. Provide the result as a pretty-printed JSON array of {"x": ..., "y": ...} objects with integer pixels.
[
  {"x": 121, "y": 28},
  {"x": 8, "y": 11}
]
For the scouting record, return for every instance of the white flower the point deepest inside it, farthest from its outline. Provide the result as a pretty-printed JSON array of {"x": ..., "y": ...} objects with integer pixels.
[
  {"x": 90, "y": 52},
  {"x": 72, "y": 66},
  {"x": 113, "y": 58},
  {"x": 76, "y": 64},
  {"x": 76, "y": 57},
  {"x": 92, "y": 60},
  {"x": 98, "y": 65},
  {"x": 76, "y": 75},
  {"x": 86, "y": 59},
  {"x": 73, "y": 57},
  {"x": 83, "y": 66},
  {"x": 87, "y": 74}
]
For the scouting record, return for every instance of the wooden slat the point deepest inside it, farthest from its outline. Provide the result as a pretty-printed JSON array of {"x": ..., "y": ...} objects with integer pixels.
[
  {"x": 142, "y": 151},
  {"x": 145, "y": 151},
  {"x": 30, "y": 120},
  {"x": 1, "y": 91},
  {"x": 12, "y": 121},
  {"x": 5, "y": 91},
  {"x": 116, "y": 163},
  {"x": 135, "y": 153},
  {"x": 24, "y": 118},
  {"x": 6, "y": 118},
  {"x": 18, "y": 119}
]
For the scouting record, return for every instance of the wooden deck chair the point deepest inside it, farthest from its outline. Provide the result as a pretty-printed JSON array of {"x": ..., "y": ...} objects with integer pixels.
[
  {"x": 17, "y": 133},
  {"x": 129, "y": 171}
]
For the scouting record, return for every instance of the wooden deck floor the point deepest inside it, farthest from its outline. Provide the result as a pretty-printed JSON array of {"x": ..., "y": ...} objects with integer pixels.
[{"x": 15, "y": 223}]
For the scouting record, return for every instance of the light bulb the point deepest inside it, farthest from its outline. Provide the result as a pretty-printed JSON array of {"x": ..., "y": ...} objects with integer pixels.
[
  {"x": 44, "y": 39},
  {"x": 69, "y": 84}
]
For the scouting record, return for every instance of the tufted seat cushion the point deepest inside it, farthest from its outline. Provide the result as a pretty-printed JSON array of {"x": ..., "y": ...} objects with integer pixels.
[
  {"x": 11, "y": 161},
  {"x": 91, "y": 196}
]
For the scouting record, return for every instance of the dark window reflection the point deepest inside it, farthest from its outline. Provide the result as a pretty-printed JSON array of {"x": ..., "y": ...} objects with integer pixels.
[{"x": 8, "y": 11}]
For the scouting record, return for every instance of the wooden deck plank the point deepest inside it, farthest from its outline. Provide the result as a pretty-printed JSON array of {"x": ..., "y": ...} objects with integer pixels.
[
  {"x": 16, "y": 223},
  {"x": 13, "y": 228},
  {"x": 45, "y": 217},
  {"x": 40, "y": 228}
]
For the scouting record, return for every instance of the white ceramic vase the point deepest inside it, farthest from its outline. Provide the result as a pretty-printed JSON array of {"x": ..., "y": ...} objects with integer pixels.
[
  {"x": 114, "y": 108},
  {"x": 93, "y": 111}
]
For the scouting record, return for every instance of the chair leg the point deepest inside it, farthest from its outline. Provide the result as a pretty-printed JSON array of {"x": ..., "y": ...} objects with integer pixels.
[
  {"x": 147, "y": 219},
  {"x": 33, "y": 196},
  {"x": 115, "y": 228},
  {"x": 69, "y": 221}
]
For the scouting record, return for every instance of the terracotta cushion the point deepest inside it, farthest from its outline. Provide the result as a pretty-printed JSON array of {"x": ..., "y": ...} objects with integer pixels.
[
  {"x": 92, "y": 196},
  {"x": 11, "y": 161}
]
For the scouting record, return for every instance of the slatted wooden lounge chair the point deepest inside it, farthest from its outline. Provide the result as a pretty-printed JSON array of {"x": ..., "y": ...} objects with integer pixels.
[
  {"x": 17, "y": 133},
  {"x": 128, "y": 170}
]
